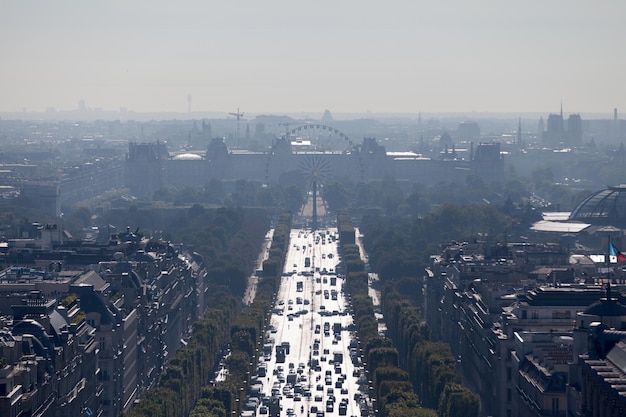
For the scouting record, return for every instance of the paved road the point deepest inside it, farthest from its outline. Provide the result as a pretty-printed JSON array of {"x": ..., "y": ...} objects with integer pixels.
[
  {"x": 248, "y": 297},
  {"x": 307, "y": 208},
  {"x": 313, "y": 318}
]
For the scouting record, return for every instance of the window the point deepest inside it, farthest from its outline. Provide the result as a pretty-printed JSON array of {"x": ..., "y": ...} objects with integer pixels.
[
  {"x": 535, "y": 314},
  {"x": 556, "y": 314}
]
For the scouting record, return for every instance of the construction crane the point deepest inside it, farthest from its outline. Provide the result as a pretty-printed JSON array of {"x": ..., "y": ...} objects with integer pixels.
[
  {"x": 286, "y": 124},
  {"x": 237, "y": 115}
]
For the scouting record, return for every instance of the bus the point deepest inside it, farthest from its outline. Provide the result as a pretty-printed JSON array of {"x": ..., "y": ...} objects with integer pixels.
[{"x": 307, "y": 262}]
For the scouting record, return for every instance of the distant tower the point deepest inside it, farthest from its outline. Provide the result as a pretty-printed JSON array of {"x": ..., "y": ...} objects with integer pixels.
[
  {"x": 145, "y": 167},
  {"x": 555, "y": 132},
  {"x": 487, "y": 162},
  {"x": 259, "y": 130},
  {"x": 206, "y": 130},
  {"x": 188, "y": 103},
  {"x": 218, "y": 159},
  {"x": 519, "y": 139},
  {"x": 574, "y": 129}
]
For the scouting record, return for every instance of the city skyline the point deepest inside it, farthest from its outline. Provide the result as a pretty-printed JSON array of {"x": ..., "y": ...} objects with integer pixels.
[{"x": 285, "y": 57}]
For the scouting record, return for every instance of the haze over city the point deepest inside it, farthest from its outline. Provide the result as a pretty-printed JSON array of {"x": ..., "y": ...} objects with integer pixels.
[
  {"x": 312, "y": 209},
  {"x": 285, "y": 56}
]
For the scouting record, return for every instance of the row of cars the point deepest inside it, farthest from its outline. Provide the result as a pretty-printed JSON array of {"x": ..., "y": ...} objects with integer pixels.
[{"x": 302, "y": 371}]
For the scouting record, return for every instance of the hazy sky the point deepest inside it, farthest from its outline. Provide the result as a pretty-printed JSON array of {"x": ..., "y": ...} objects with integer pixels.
[{"x": 279, "y": 56}]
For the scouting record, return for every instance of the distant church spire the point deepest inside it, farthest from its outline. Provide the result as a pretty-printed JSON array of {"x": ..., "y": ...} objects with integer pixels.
[{"x": 519, "y": 132}]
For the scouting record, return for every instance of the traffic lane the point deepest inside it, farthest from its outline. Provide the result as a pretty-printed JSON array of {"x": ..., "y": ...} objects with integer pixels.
[
  {"x": 298, "y": 333},
  {"x": 329, "y": 345},
  {"x": 339, "y": 306},
  {"x": 347, "y": 368},
  {"x": 286, "y": 330}
]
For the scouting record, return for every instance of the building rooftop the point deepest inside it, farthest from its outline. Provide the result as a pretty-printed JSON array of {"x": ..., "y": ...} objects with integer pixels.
[
  {"x": 604, "y": 207},
  {"x": 561, "y": 296}
]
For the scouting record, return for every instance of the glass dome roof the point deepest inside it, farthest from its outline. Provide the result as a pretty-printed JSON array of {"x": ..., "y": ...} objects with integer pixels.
[
  {"x": 187, "y": 157},
  {"x": 605, "y": 207}
]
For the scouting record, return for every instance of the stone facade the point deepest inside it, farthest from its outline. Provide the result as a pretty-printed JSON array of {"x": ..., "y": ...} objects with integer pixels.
[{"x": 88, "y": 339}]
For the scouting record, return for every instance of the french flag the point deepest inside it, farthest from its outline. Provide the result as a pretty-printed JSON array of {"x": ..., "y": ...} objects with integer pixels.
[{"x": 615, "y": 255}]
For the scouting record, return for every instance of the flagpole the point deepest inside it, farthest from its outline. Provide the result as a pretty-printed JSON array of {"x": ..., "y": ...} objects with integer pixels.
[
  {"x": 604, "y": 285},
  {"x": 608, "y": 259}
]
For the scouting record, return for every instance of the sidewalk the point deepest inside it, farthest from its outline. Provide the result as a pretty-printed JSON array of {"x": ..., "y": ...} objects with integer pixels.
[
  {"x": 253, "y": 279},
  {"x": 373, "y": 292}
]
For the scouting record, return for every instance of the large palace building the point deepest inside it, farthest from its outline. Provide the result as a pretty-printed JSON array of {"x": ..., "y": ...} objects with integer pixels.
[{"x": 150, "y": 166}]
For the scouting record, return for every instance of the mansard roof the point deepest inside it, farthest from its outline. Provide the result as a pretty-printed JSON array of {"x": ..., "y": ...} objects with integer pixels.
[{"x": 560, "y": 296}]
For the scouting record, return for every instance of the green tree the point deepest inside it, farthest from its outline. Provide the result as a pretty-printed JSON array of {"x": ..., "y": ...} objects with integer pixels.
[{"x": 458, "y": 401}]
